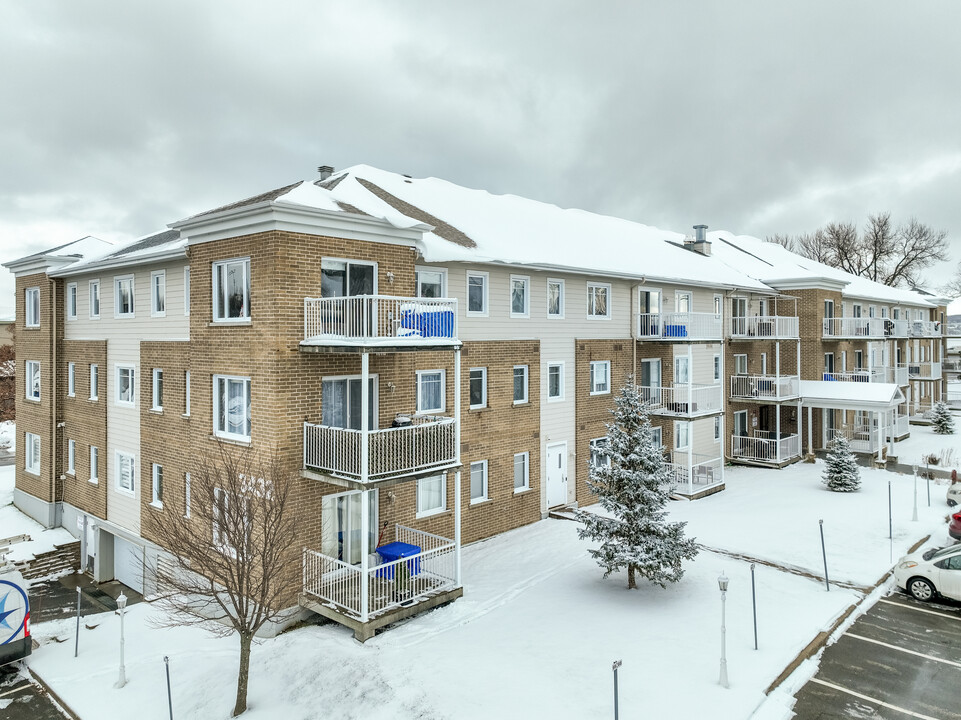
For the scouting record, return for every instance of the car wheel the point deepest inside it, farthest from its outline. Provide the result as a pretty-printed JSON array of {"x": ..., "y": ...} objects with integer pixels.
[
  {"x": 920, "y": 588},
  {"x": 952, "y": 503}
]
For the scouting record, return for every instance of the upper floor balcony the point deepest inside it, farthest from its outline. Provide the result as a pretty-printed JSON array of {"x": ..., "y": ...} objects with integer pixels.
[
  {"x": 682, "y": 400},
  {"x": 377, "y": 323},
  {"x": 924, "y": 329},
  {"x": 878, "y": 374},
  {"x": 679, "y": 326},
  {"x": 765, "y": 387},
  {"x": 850, "y": 327},
  {"x": 928, "y": 370},
  {"x": 764, "y": 327}
]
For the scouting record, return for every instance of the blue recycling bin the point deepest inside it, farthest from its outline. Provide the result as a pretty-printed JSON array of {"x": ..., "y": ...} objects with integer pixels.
[{"x": 396, "y": 551}]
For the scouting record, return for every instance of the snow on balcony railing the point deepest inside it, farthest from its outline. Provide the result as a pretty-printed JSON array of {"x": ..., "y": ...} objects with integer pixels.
[
  {"x": 924, "y": 370},
  {"x": 772, "y": 387},
  {"x": 380, "y": 317},
  {"x": 924, "y": 328},
  {"x": 682, "y": 400},
  {"x": 764, "y": 326},
  {"x": 707, "y": 471},
  {"x": 421, "y": 442},
  {"x": 764, "y": 447},
  {"x": 853, "y": 327},
  {"x": 679, "y": 326}
]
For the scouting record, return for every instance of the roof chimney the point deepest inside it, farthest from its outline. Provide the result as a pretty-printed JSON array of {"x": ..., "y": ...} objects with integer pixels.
[
  {"x": 699, "y": 243},
  {"x": 325, "y": 171}
]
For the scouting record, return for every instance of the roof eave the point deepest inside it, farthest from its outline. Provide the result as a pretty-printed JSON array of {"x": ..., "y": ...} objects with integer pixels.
[{"x": 177, "y": 253}]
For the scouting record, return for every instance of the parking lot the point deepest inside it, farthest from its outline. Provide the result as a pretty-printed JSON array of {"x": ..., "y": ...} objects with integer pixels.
[
  {"x": 901, "y": 659},
  {"x": 23, "y": 699}
]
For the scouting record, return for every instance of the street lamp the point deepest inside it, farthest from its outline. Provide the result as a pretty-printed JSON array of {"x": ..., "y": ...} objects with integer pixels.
[
  {"x": 722, "y": 584},
  {"x": 121, "y": 609}
]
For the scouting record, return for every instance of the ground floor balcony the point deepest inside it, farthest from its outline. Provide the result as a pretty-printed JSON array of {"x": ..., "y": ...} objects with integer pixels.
[
  {"x": 770, "y": 388},
  {"x": 763, "y": 447},
  {"x": 862, "y": 438},
  {"x": 953, "y": 399},
  {"x": 679, "y": 326},
  {"x": 695, "y": 475},
  {"x": 900, "y": 429},
  {"x": 924, "y": 370},
  {"x": 683, "y": 400}
]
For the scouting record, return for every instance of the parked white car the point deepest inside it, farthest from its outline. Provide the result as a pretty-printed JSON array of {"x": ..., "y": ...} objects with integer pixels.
[
  {"x": 932, "y": 572},
  {"x": 954, "y": 494}
]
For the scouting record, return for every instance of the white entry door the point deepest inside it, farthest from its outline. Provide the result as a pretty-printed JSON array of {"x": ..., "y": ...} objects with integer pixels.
[
  {"x": 557, "y": 474},
  {"x": 128, "y": 563}
]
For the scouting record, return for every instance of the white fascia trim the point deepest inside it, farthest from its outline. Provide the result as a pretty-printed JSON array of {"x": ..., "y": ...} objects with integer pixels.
[
  {"x": 44, "y": 263},
  {"x": 176, "y": 254},
  {"x": 874, "y": 299},
  {"x": 807, "y": 283}
]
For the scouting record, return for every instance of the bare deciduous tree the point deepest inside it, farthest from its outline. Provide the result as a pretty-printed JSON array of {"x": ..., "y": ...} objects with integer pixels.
[
  {"x": 8, "y": 390},
  {"x": 888, "y": 254},
  {"x": 234, "y": 562}
]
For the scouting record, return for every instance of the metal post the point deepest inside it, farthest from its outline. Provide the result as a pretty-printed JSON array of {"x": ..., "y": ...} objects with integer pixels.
[
  {"x": 170, "y": 702},
  {"x": 76, "y": 642},
  {"x": 364, "y": 550},
  {"x": 457, "y": 392},
  {"x": 457, "y": 565},
  {"x": 690, "y": 424},
  {"x": 722, "y": 679},
  {"x": 122, "y": 610},
  {"x": 810, "y": 432},
  {"x": 927, "y": 480},
  {"x": 617, "y": 664},
  {"x": 754, "y": 604},
  {"x": 824, "y": 554},
  {"x": 364, "y": 417},
  {"x": 914, "y": 515},
  {"x": 890, "y": 525}
]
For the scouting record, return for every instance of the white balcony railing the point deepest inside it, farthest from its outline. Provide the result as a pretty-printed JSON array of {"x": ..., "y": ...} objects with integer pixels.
[
  {"x": 762, "y": 446},
  {"x": 682, "y": 400},
  {"x": 853, "y": 327},
  {"x": 380, "y": 318},
  {"x": 388, "y": 585},
  {"x": 924, "y": 328},
  {"x": 679, "y": 326},
  {"x": 764, "y": 327},
  {"x": 703, "y": 472},
  {"x": 427, "y": 443},
  {"x": 924, "y": 370},
  {"x": 877, "y": 375},
  {"x": 902, "y": 426},
  {"x": 895, "y": 328},
  {"x": 951, "y": 366},
  {"x": 766, "y": 387},
  {"x": 953, "y": 398},
  {"x": 898, "y": 375},
  {"x": 862, "y": 438}
]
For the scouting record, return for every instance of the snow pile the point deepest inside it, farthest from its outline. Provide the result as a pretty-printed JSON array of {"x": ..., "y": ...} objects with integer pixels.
[
  {"x": 8, "y": 435},
  {"x": 13, "y": 522}
]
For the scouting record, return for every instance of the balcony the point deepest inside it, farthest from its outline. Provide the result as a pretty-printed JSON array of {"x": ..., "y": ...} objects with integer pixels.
[
  {"x": 862, "y": 438},
  {"x": 924, "y": 329},
  {"x": 765, "y": 387},
  {"x": 862, "y": 327},
  {"x": 694, "y": 476},
  {"x": 679, "y": 326},
  {"x": 924, "y": 370},
  {"x": 763, "y": 448},
  {"x": 424, "y": 445},
  {"x": 764, "y": 327},
  {"x": 687, "y": 401},
  {"x": 376, "y": 323},
  {"x": 876, "y": 375},
  {"x": 902, "y": 427}
]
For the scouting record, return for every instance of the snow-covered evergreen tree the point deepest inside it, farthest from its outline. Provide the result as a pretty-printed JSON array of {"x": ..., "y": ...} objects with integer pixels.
[
  {"x": 942, "y": 420},
  {"x": 633, "y": 486},
  {"x": 842, "y": 473}
]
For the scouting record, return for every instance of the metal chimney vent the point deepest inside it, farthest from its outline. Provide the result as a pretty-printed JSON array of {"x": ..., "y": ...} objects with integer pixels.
[
  {"x": 325, "y": 171},
  {"x": 700, "y": 243}
]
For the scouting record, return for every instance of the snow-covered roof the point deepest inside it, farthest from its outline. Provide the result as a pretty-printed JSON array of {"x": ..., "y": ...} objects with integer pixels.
[
  {"x": 155, "y": 246},
  {"x": 60, "y": 256},
  {"x": 850, "y": 395}
]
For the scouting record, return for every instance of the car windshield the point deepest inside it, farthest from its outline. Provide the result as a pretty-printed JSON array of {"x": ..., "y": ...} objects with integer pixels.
[{"x": 940, "y": 553}]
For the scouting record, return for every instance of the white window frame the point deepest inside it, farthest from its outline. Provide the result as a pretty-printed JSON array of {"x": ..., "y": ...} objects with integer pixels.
[
  {"x": 224, "y": 433},
  {"x": 118, "y": 400},
  {"x": 678, "y": 296},
  {"x": 560, "y": 366},
  {"x": 158, "y": 279},
  {"x": 679, "y": 361},
  {"x": 71, "y": 457},
  {"x": 483, "y": 403},
  {"x": 594, "y": 385},
  {"x": 740, "y": 364},
  {"x": 31, "y": 307},
  {"x": 94, "y": 381},
  {"x": 561, "y": 296},
  {"x": 71, "y": 379},
  {"x": 71, "y": 300},
  {"x": 186, "y": 393},
  {"x": 527, "y": 377},
  {"x": 187, "y": 295},
  {"x": 764, "y": 363},
  {"x": 215, "y": 285},
  {"x": 422, "y": 510},
  {"x": 427, "y": 269},
  {"x": 599, "y": 448},
  {"x": 443, "y": 391},
  {"x": 591, "y": 287},
  {"x": 31, "y": 370},
  {"x": 485, "y": 496},
  {"x": 122, "y": 458},
  {"x": 717, "y": 428},
  {"x": 93, "y": 298},
  {"x": 117, "y": 280},
  {"x": 156, "y": 485},
  {"x": 156, "y": 390},
  {"x": 686, "y": 424},
  {"x": 483, "y": 312},
  {"x": 718, "y": 305},
  {"x": 94, "y": 464},
  {"x": 31, "y": 458},
  {"x": 526, "y": 280},
  {"x": 526, "y": 458},
  {"x": 717, "y": 367}
]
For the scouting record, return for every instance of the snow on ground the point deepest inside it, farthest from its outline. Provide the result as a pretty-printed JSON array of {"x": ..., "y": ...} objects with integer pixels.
[
  {"x": 8, "y": 435},
  {"x": 13, "y": 522},
  {"x": 924, "y": 440}
]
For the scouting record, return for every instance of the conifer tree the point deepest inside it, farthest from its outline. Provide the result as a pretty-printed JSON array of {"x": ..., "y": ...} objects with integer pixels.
[
  {"x": 842, "y": 473},
  {"x": 633, "y": 487},
  {"x": 942, "y": 420}
]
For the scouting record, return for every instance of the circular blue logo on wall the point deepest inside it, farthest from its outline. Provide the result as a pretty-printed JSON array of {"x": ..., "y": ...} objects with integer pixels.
[{"x": 13, "y": 611}]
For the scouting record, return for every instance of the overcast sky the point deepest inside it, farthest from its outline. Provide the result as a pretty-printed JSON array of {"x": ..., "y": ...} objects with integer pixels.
[{"x": 119, "y": 117}]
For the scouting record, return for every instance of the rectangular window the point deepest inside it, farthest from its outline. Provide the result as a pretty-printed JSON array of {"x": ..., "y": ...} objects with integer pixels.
[
  {"x": 94, "y": 464},
  {"x": 520, "y": 296},
  {"x": 231, "y": 290},
  {"x": 764, "y": 363},
  {"x": 94, "y": 382},
  {"x": 157, "y": 489},
  {"x": 828, "y": 309},
  {"x": 555, "y": 381},
  {"x": 187, "y": 392},
  {"x": 125, "y": 472},
  {"x": 232, "y": 407},
  {"x": 71, "y": 456},
  {"x": 522, "y": 480},
  {"x": 71, "y": 301},
  {"x": 520, "y": 384},
  {"x": 32, "y": 307},
  {"x": 717, "y": 368},
  {"x": 600, "y": 377},
  {"x": 431, "y": 495},
  {"x": 431, "y": 395},
  {"x": 740, "y": 364},
  {"x": 598, "y": 300},
  {"x": 71, "y": 380},
  {"x": 718, "y": 304},
  {"x": 478, "y": 481},
  {"x": 555, "y": 298},
  {"x": 158, "y": 293},
  {"x": 125, "y": 391},
  {"x": 682, "y": 435},
  {"x": 858, "y": 359},
  {"x": 478, "y": 388},
  {"x": 717, "y": 428},
  {"x": 682, "y": 369},
  {"x": 430, "y": 282},
  {"x": 158, "y": 389},
  {"x": 477, "y": 283},
  {"x": 32, "y": 458},
  {"x": 600, "y": 455},
  {"x": 187, "y": 495},
  {"x": 123, "y": 298},
  {"x": 682, "y": 302},
  {"x": 32, "y": 384},
  {"x": 94, "y": 299},
  {"x": 187, "y": 292},
  {"x": 829, "y": 362}
]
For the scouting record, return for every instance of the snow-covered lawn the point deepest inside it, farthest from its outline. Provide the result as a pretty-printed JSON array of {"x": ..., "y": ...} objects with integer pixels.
[
  {"x": 8, "y": 435},
  {"x": 924, "y": 440},
  {"x": 13, "y": 522},
  {"x": 537, "y": 628}
]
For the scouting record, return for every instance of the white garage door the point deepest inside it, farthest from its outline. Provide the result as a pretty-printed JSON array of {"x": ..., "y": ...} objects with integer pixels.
[{"x": 127, "y": 565}]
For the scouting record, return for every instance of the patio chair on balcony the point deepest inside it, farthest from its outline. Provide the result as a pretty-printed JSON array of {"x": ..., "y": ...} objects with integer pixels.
[{"x": 703, "y": 474}]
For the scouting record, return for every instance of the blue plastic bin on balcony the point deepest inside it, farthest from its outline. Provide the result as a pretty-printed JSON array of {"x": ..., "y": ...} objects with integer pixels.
[
  {"x": 396, "y": 551},
  {"x": 675, "y": 331},
  {"x": 428, "y": 323}
]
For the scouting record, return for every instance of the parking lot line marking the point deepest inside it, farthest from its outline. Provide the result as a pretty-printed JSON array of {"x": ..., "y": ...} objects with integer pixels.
[
  {"x": 873, "y": 700},
  {"x": 24, "y": 686},
  {"x": 924, "y": 610},
  {"x": 904, "y": 650}
]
